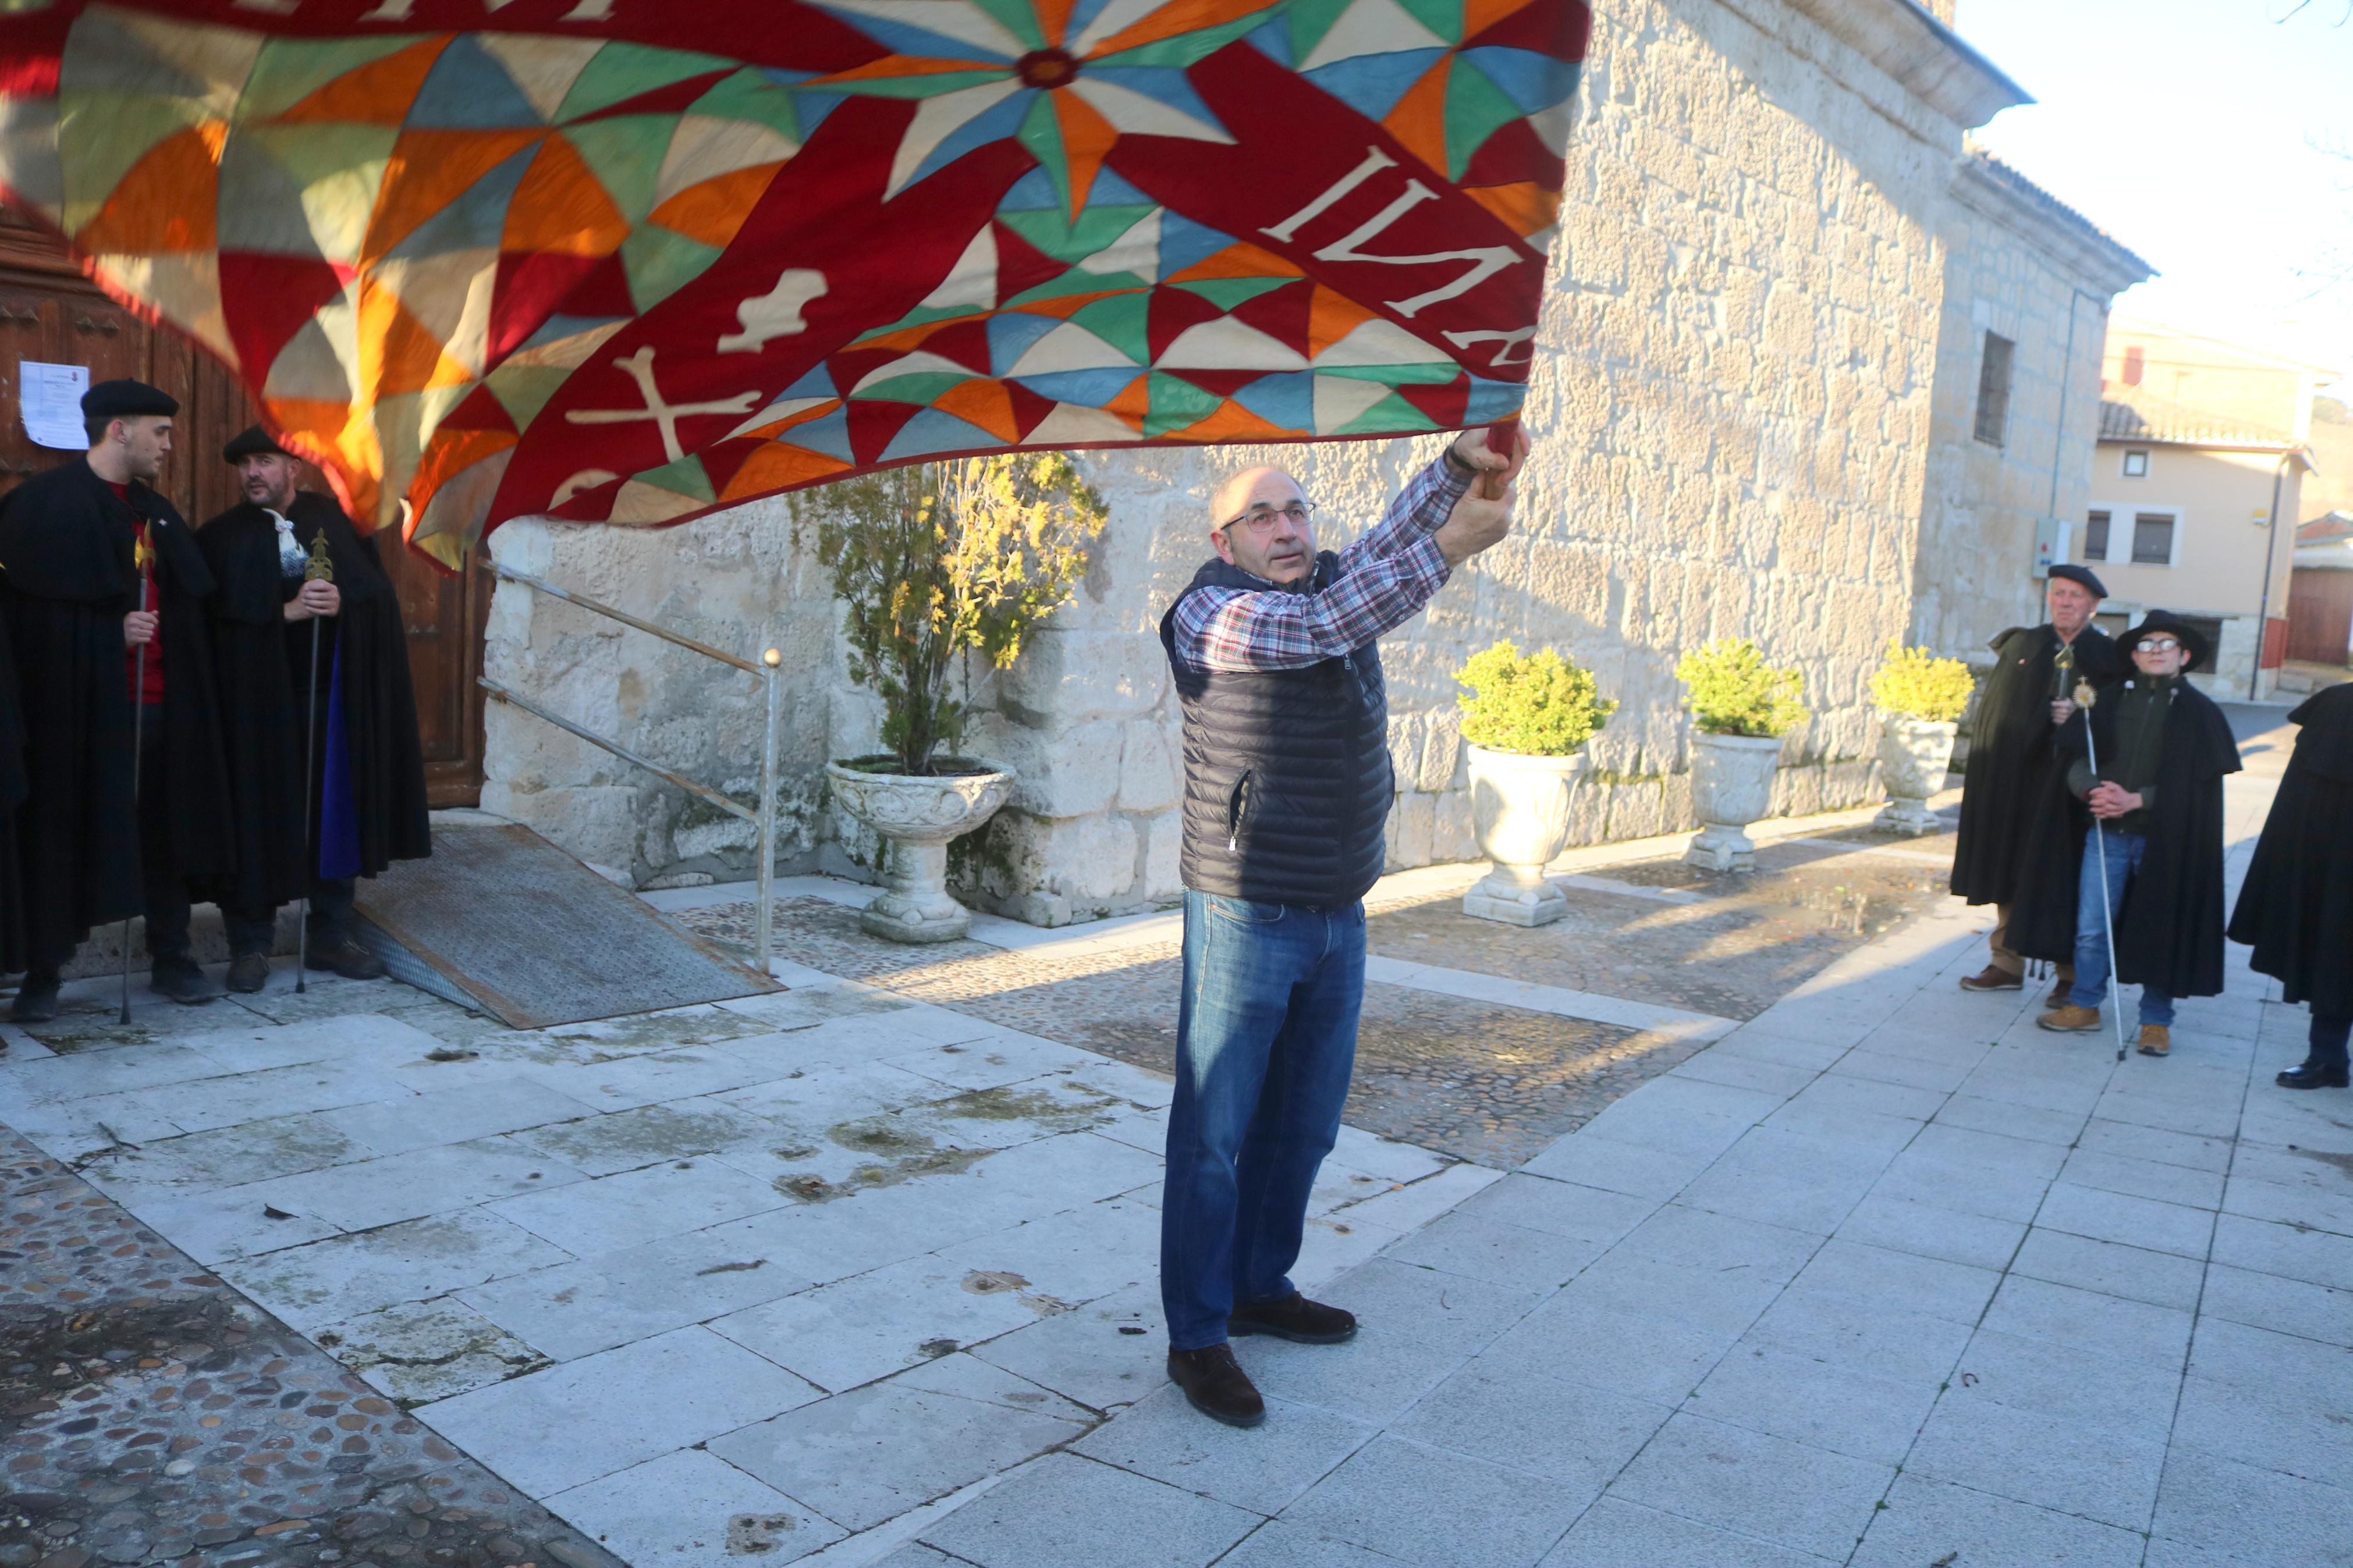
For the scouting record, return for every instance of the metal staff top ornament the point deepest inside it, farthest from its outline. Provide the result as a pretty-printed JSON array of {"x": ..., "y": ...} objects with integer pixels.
[
  {"x": 321, "y": 568},
  {"x": 630, "y": 263}
]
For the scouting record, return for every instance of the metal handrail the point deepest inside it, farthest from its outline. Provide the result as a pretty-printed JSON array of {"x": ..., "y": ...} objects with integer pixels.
[{"x": 763, "y": 817}]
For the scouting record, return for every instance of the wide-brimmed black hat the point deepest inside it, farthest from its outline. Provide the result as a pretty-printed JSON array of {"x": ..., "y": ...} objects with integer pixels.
[
  {"x": 127, "y": 399},
  {"x": 2083, "y": 575},
  {"x": 253, "y": 441},
  {"x": 2193, "y": 641}
]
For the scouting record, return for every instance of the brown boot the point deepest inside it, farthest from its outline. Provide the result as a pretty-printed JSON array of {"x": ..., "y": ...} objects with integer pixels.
[
  {"x": 2059, "y": 994},
  {"x": 1216, "y": 1386},
  {"x": 2071, "y": 1020},
  {"x": 1296, "y": 1319},
  {"x": 2155, "y": 1040},
  {"x": 1993, "y": 977}
]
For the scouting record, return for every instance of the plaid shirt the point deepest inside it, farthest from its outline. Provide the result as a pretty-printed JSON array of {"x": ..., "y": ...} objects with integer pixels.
[{"x": 1383, "y": 579}]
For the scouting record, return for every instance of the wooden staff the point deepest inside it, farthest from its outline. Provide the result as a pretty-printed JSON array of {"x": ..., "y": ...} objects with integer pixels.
[
  {"x": 321, "y": 569},
  {"x": 143, "y": 556}
]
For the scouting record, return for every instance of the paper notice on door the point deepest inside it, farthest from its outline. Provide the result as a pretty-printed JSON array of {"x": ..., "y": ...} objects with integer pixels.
[{"x": 50, "y": 398}]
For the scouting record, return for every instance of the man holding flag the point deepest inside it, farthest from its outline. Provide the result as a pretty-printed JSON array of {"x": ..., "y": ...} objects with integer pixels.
[
  {"x": 1275, "y": 652},
  {"x": 105, "y": 590}
]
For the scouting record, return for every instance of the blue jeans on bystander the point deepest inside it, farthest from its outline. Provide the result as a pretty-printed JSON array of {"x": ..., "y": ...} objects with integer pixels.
[
  {"x": 1266, "y": 1038},
  {"x": 2121, "y": 860}
]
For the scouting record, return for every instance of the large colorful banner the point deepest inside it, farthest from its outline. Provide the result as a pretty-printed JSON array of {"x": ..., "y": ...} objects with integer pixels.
[{"x": 633, "y": 261}]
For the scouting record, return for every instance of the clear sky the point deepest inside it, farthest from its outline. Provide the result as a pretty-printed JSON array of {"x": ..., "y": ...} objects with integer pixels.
[{"x": 2213, "y": 137}]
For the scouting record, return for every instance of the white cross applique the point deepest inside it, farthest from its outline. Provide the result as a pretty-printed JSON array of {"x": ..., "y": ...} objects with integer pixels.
[{"x": 665, "y": 416}]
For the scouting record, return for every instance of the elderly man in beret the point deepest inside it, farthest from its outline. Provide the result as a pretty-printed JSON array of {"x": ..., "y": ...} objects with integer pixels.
[
  {"x": 2021, "y": 834},
  {"x": 366, "y": 775},
  {"x": 98, "y": 567}
]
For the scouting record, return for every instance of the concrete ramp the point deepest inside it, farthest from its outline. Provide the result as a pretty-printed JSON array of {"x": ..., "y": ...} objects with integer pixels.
[{"x": 501, "y": 920}]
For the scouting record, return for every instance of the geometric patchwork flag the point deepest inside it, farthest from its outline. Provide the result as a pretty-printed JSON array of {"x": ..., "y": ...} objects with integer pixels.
[{"x": 491, "y": 259}]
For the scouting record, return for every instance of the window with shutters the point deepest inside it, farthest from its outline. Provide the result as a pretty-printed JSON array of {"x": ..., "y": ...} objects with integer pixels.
[
  {"x": 2095, "y": 536},
  {"x": 1993, "y": 389},
  {"x": 2153, "y": 538}
]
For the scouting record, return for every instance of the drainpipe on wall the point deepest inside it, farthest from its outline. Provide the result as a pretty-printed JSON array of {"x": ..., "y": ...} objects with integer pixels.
[{"x": 2263, "y": 605}]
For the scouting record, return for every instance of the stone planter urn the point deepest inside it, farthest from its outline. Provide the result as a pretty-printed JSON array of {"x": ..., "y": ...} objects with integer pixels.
[
  {"x": 1914, "y": 756},
  {"x": 1731, "y": 786},
  {"x": 917, "y": 817},
  {"x": 1519, "y": 809}
]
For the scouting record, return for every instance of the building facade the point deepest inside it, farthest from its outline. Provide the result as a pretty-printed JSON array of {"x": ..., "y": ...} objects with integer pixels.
[{"x": 1733, "y": 409}]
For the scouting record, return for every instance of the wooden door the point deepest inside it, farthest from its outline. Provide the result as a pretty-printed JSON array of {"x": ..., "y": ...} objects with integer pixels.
[
  {"x": 50, "y": 312},
  {"x": 2319, "y": 614}
]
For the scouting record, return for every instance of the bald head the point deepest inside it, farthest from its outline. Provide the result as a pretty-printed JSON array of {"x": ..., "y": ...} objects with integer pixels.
[{"x": 1252, "y": 525}]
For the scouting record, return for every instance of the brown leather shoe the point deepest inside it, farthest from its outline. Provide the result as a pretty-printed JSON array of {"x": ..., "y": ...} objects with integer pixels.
[
  {"x": 1293, "y": 1318},
  {"x": 1993, "y": 977},
  {"x": 2155, "y": 1040},
  {"x": 2071, "y": 1020},
  {"x": 2059, "y": 994},
  {"x": 1216, "y": 1386},
  {"x": 347, "y": 958}
]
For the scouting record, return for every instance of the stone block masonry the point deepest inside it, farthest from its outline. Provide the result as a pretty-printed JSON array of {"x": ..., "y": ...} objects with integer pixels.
[{"x": 1731, "y": 404}]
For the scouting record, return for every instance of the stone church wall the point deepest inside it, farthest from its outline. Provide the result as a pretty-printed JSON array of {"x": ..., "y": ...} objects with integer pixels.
[{"x": 1731, "y": 408}]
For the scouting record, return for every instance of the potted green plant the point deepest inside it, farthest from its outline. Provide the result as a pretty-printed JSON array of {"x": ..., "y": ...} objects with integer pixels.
[
  {"x": 1924, "y": 698},
  {"x": 1740, "y": 708},
  {"x": 936, "y": 562},
  {"x": 1526, "y": 719}
]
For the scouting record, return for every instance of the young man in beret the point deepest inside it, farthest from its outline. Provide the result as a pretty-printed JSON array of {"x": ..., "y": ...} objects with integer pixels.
[
  {"x": 366, "y": 771},
  {"x": 2019, "y": 832},
  {"x": 99, "y": 566},
  {"x": 2157, "y": 798}
]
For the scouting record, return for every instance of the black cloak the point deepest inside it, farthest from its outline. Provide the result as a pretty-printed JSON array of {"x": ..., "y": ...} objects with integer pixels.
[
  {"x": 12, "y": 796},
  {"x": 66, "y": 546},
  {"x": 263, "y": 661},
  {"x": 2020, "y": 829},
  {"x": 2170, "y": 931},
  {"x": 2296, "y": 909}
]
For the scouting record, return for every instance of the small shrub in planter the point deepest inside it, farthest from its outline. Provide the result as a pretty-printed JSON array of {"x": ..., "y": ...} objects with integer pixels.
[
  {"x": 1527, "y": 717},
  {"x": 1731, "y": 690},
  {"x": 1925, "y": 697},
  {"x": 1916, "y": 684},
  {"x": 1534, "y": 705}
]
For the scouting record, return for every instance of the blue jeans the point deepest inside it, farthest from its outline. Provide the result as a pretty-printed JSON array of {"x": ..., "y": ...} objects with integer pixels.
[
  {"x": 2123, "y": 858},
  {"x": 1266, "y": 1037}
]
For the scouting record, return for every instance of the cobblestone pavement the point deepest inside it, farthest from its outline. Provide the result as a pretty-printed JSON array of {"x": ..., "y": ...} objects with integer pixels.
[{"x": 148, "y": 1414}]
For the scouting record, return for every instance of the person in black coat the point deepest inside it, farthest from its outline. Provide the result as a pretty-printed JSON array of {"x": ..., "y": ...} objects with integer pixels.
[
  {"x": 2164, "y": 749},
  {"x": 366, "y": 771},
  {"x": 2296, "y": 909},
  {"x": 98, "y": 565},
  {"x": 2020, "y": 832}
]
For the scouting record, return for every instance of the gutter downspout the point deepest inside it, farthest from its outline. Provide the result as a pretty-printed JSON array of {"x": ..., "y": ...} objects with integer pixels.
[{"x": 2263, "y": 605}]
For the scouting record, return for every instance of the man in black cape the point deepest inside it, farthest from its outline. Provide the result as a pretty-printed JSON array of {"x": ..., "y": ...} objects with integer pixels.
[
  {"x": 2296, "y": 909},
  {"x": 2020, "y": 831},
  {"x": 2163, "y": 749},
  {"x": 98, "y": 564},
  {"x": 366, "y": 806}
]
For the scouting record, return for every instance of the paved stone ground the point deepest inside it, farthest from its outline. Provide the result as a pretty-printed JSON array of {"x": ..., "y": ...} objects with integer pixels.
[
  {"x": 851, "y": 1275},
  {"x": 148, "y": 1414}
]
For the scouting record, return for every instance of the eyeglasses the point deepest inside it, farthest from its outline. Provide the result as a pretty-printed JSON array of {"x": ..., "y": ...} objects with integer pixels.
[
  {"x": 2157, "y": 644},
  {"x": 1261, "y": 519}
]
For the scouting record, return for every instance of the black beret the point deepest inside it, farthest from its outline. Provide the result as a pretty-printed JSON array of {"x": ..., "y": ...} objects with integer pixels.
[
  {"x": 2074, "y": 573},
  {"x": 126, "y": 399},
  {"x": 252, "y": 442}
]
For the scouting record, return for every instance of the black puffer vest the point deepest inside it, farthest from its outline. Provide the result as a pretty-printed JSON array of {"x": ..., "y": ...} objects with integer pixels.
[{"x": 1287, "y": 785}]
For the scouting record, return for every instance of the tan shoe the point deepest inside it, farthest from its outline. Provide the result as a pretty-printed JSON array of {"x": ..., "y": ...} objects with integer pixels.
[
  {"x": 2071, "y": 1020},
  {"x": 1993, "y": 977},
  {"x": 2155, "y": 1039}
]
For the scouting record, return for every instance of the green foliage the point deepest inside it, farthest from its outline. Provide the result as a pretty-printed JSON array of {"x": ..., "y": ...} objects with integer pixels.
[
  {"x": 1733, "y": 691},
  {"x": 1916, "y": 684},
  {"x": 942, "y": 559},
  {"x": 1539, "y": 704}
]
